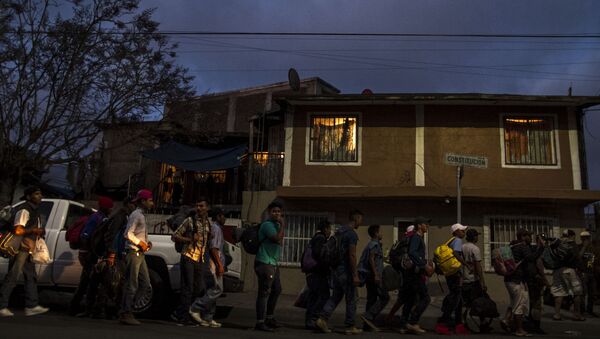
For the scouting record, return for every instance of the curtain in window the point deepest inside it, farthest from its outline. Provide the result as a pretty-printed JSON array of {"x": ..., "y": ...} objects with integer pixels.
[
  {"x": 333, "y": 139},
  {"x": 528, "y": 141}
]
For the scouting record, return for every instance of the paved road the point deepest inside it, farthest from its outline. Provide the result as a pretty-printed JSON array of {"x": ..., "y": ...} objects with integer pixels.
[{"x": 57, "y": 324}]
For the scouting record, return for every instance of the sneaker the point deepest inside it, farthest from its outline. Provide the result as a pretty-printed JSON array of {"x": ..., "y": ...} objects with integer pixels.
[
  {"x": 369, "y": 323},
  {"x": 5, "y": 312},
  {"x": 442, "y": 329},
  {"x": 214, "y": 324},
  {"x": 263, "y": 327},
  {"x": 460, "y": 329},
  {"x": 414, "y": 329},
  {"x": 127, "y": 318},
  {"x": 322, "y": 325},
  {"x": 272, "y": 323},
  {"x": 198, "y": 318},
  {"x": 29, "y": 311},
  {"x": 352, "y": 330}
]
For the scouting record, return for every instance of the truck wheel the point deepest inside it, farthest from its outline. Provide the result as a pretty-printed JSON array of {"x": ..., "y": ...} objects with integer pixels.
[{"x": 149, "y": 303}]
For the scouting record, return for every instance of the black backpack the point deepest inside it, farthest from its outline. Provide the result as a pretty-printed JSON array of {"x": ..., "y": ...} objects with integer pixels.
[
  {"x": 484, "y": 307},
  {"x": 332, "y": 254},
  {"x": 96, "y": 241},
  {"x": 250, "y": 240},
  {"x": 398, "y": 254}
]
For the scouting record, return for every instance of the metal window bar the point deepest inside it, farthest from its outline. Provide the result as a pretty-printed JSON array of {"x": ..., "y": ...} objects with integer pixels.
[
  {"x": 334, "y": 138},
  {"x": 529, "y": 141},
  {"x": 503, "y": 229},
  {"x": 300, "y": 227}
]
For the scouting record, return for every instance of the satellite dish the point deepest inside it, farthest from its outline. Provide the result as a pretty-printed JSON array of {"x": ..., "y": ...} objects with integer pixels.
[{"x": 294, "y": 80}]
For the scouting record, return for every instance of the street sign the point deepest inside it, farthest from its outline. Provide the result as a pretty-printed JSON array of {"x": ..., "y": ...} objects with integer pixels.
[{"x": 465, "y": 160}]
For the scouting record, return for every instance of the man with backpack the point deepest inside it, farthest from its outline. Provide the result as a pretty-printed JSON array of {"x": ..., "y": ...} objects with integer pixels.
[
  {"x": 27, "y": 224},
  {"x": 345, "y": 276},
  {"x": 414, "y": 288},
  {"x": 452, "y": 304},
  {"x": 565, "y": 281},
  {"x": 370, "y": 268},
  {"x": 516, "y": 281},
  {"x": 191, "y": 239},
  {"x": 473, "y": 285},
  {"x": 137, "y": 244},
  {"x": 317, "y": 278},
  {"x": 270, "y": 238},
  {"x": 204, "y": 308},
  {"x": 88, "y": 282},
  {"x": 400, "y": 262}
]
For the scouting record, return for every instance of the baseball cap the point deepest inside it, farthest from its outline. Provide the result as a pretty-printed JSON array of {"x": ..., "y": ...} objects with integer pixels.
[
  {"x": 216, "y": 211},
  {"x": 457, "y": 227},
  {"x": 143, "y": 194},
  {"x": 422, "y": 220},
  {"x": 471, "y": 232},
  {"x": 410, "y": 228},
  {"x": 585, "y": 234}
]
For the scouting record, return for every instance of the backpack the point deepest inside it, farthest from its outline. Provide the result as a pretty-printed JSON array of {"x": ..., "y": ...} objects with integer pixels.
[
  {"x": 177, "y": 219},
  {"x": 503, "y": 261},
  {"x": 96, "y": 241},
  {"x": 398, "y": 255},
  {"x": 10, "y": 243},
  {"x": 250, "y": 240},
  {"x": 332, "y": 254},
  {"x": 74, "y": 232},
  {"x": 444, "y": 258},
  {"x": 484, "y": 307},
  {"x": 119, "y": 242},
  {"x": 7, "y": 215},
  {"x": 549, "y": 260},
  {"x": 308, "y": 263}
]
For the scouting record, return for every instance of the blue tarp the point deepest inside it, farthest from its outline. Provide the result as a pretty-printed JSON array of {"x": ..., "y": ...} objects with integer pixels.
[{"x": 196, "y": 159}]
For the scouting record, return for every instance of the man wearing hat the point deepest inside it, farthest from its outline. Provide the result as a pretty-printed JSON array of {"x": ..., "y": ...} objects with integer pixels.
[
  {"x": 452, "y": 304},
  {"x": 136, "y": 272},
  {"x": 27, "y": 223},
  {"x": 88, "y": 282},
  {"x": 586, "y": 269}
]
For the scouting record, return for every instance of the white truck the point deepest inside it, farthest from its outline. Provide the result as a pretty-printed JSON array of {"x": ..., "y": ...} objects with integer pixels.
[{"x": 63, "y": 270}]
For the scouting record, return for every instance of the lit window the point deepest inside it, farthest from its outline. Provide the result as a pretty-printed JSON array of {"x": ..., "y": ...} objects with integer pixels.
[
  {"x": 529, "y": 141},
  {"x": 333, "y": 138}
]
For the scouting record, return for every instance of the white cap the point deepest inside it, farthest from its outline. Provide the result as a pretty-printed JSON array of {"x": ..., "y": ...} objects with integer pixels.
[
  {"x": 457, "y": 227},
  {"x": 410, "y": 228},
  {"x": 585, "y": 234}
]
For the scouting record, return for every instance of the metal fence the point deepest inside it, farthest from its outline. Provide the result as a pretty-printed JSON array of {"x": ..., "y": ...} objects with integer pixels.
[{"x": 299, "y": 229}]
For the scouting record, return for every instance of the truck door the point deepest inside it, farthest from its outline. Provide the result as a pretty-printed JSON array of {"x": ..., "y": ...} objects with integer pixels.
[{"x": 66, "y": 269}]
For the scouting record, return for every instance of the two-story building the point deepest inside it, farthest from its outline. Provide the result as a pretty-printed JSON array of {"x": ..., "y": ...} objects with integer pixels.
[{"x": 393, "y": 157}]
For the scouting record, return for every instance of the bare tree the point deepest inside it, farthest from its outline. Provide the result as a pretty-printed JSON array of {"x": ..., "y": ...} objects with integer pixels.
[{"x": 61, "y": 77}]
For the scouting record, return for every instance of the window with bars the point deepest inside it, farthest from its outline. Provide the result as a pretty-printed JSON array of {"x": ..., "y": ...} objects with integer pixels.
[
  {"x": 334, "y": 138},
  {"x": 499, "y": 231},
  {"x": 299, "y": 229},
  {"x": 529, "y": 140}
]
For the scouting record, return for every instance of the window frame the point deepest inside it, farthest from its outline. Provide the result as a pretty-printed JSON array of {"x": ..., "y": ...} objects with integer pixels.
[
  {"x": 554, "y": 139},
  {"x": 307, "y": 148}
]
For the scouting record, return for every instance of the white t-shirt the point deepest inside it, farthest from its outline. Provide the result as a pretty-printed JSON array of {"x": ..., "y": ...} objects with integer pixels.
[{"x": 471, "y": 254}]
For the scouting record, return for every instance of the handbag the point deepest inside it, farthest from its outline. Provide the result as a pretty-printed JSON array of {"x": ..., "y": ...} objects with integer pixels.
[
  {"x": 9, "y": 244},
  {"x": 40, "y": 255}
]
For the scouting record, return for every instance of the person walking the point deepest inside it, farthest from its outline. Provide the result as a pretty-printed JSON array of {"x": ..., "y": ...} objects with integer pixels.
[
  {"x": 26, "y": 223},
  {"x": 345, "y": 277},
  {"x": 270, "y": 237},
  {"x": 370, "y": 267},
  {"x": 587, "y": 259},
  {"x": 317, "y": 280},
  {"x": 204, "y": 308},
  {"x": 565, "y": 280},
  {"x": 193, "y": 235},
  {"x": 136, "y": 272}
]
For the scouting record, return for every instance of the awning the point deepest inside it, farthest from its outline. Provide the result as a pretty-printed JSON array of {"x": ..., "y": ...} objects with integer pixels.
[{"x": 196, "y": 159}]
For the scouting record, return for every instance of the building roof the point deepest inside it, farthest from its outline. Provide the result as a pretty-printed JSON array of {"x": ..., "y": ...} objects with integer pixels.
[{"x": 441, "y": 99}]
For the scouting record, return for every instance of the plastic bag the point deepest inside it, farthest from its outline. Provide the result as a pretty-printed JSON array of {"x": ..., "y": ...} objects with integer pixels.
[{"x": 40, "y": 255}]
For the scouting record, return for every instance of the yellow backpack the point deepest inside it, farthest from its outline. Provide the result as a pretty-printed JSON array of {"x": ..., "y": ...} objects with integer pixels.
[{"x": 445, "y": 261}]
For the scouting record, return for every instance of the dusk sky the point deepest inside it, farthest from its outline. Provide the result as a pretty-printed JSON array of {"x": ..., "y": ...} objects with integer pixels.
[{"x": 539, "y": 66}]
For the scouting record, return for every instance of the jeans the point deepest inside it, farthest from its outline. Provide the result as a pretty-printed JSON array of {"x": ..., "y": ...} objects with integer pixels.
[
  {"x": 416, "y": 298},
  {"x": 88, "y": 281},
  {"x": 137, "y": 280},
  {"x": 17, "y": 264},
  {"x": 207, "y": 304},
  {"x": 269, "y": 289},
  {"x": 191, "y": 283},
  {"x": 342, "y": 286},
  {"x": 318, "y": 294},
  {"x": 452, "y": 303},
  {"x": 377, "y": 299}
]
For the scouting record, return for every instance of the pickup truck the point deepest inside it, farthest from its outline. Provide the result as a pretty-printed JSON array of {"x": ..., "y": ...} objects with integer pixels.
[{"x": 63, "y": 270}]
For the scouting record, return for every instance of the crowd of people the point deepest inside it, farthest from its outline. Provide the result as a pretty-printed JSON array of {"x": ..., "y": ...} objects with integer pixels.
[{"x": 112, "y": 249}]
